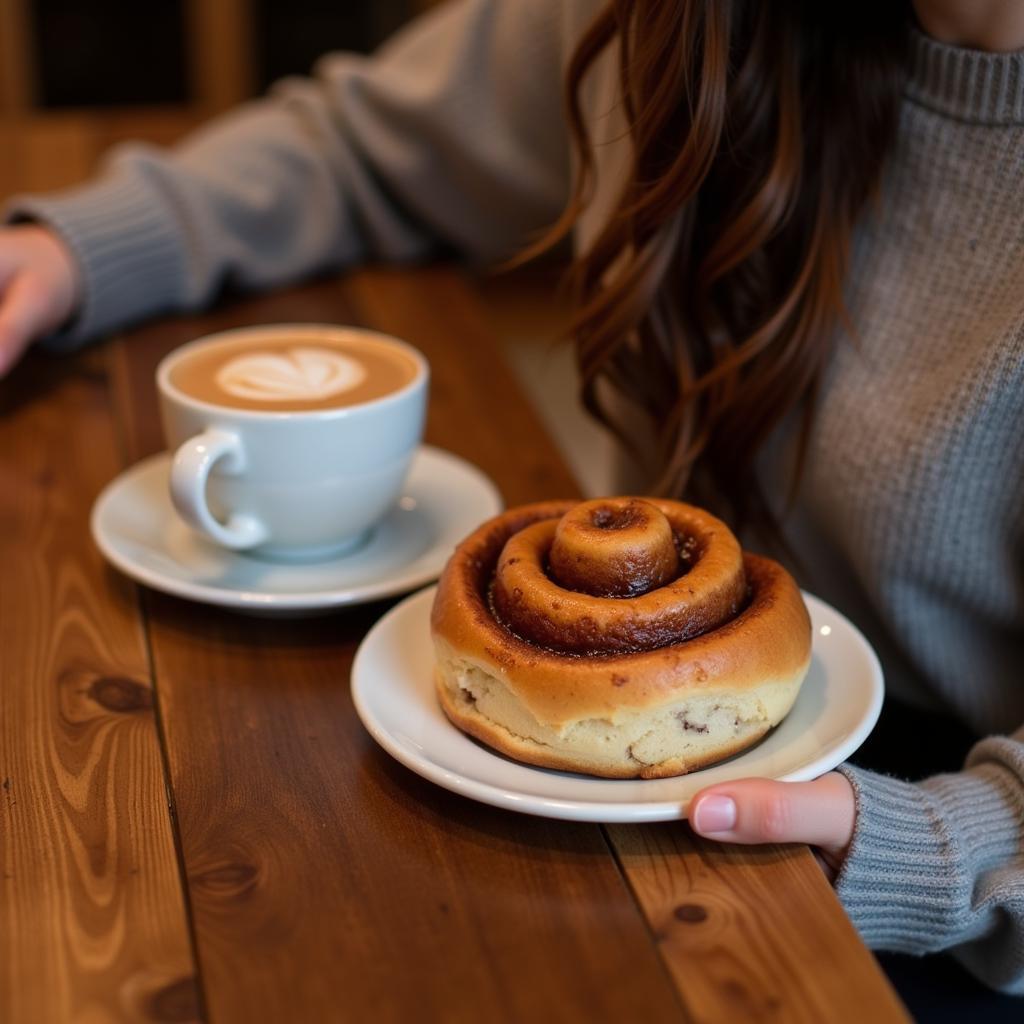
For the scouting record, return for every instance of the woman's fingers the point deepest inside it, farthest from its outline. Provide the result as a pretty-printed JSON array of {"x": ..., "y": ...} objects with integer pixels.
[
  {"x": 820, "y": 813},
  {"x": 39, "y": 288},
  {"x": 24, "y": 311}
]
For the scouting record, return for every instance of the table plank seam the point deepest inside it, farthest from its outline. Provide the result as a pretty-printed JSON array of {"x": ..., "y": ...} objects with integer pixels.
[
  {"x": 648, "y": 923},
  {"x": 172, "y": 812}
]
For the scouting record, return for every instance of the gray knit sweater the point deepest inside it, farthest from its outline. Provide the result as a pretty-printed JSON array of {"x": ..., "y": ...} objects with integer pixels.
[{"x": 912, "y": 512}]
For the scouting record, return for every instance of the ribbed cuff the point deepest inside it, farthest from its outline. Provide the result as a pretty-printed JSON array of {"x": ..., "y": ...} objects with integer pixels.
[
  {"x": 969, "y": 85},
  {"x": 129, "y": 255},
  {"x": 909, "y": 876}
]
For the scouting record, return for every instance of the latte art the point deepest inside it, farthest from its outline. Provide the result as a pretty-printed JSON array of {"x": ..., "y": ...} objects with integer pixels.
[
  {"x": 298, "y": 374},
  {"x": 315, "y": 369}
]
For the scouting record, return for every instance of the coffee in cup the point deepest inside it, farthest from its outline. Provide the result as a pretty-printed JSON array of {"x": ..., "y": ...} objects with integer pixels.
[
  {"x": 293, "y": 373},
  {"x": 291, "y": 440}
]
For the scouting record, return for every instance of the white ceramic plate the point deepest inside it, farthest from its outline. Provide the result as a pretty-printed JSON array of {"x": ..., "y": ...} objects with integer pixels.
[
  {"x": 393, "y": 689},
  {"x": 138, "y": 531}
]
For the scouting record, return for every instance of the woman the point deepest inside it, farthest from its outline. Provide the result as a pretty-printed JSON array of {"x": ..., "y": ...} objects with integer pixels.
[{"x": 798, "y": 239}]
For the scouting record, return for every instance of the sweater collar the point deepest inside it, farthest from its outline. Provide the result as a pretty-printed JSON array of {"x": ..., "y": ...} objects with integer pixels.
[{"x": 969, "y": 85}]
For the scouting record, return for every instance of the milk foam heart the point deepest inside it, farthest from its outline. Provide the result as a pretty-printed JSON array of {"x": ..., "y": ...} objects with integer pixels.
[{"x": 301, "y": 374}]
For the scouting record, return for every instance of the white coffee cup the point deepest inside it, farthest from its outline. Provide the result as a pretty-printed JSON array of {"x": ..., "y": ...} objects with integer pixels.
[{"x": 300, "y": 485}]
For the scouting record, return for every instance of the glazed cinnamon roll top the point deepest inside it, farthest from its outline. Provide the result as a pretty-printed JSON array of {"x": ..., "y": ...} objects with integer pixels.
[
  {"x": 619, "y": 547},
  {"x": 618, "y": 574}
]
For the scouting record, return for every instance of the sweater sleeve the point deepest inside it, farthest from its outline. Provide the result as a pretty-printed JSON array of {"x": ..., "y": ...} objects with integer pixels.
[
  {"x": 451, "y": 137},
  {"x": 939, "y": 864}
]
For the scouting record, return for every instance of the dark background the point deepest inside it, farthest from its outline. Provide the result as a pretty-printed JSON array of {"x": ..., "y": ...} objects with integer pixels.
[{"x": 100, "y": 53}]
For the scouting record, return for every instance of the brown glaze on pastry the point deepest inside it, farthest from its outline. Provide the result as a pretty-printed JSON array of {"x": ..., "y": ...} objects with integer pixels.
[
  {"x": 614, "y": 547},
  {"x": 558, "y": 581}
]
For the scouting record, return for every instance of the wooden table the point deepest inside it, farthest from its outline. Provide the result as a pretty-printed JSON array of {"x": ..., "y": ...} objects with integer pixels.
[{"x": 196, "y": 826}]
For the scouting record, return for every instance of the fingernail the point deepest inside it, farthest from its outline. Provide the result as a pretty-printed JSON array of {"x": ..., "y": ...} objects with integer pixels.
[{"x": 715, "y": 814}]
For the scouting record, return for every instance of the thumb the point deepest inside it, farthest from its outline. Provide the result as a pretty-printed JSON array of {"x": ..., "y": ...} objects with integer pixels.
[
  {"x": 819, "y": 813},
  {"x": 24, "y": 315}
]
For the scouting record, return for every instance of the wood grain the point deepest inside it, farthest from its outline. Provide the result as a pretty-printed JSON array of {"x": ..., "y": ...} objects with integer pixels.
[
  {"x": 326, "y": 881},
  {"x": 751, "y": 933},
  {"x": 92, "y": 918}
]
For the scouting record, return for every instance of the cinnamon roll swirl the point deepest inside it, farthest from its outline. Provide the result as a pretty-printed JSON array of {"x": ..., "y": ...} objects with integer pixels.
[{"x": 622, "y": 637}]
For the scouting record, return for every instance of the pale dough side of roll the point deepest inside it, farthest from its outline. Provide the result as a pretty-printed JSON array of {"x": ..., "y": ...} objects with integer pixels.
[{"x": 672, "y": 739}]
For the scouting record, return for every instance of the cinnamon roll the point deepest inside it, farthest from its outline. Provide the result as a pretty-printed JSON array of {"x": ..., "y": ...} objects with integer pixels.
[{"x": 622, "y": 637}]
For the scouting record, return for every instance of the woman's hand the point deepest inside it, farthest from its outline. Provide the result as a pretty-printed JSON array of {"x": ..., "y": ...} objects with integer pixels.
[
  {"x": 820, "y": 813},
  {"x": 39, "y": 288}
]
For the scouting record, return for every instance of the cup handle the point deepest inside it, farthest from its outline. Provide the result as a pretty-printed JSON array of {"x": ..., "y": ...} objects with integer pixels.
[{"x": 189, "y": 474}]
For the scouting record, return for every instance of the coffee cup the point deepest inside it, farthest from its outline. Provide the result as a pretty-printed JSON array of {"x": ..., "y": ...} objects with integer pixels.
[{"x": 291, "y": 441}]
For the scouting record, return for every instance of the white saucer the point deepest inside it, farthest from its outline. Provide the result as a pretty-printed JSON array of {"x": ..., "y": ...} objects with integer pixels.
[
  {"x": 393, "y": 689},
  {"x": 138, "y": 531}
]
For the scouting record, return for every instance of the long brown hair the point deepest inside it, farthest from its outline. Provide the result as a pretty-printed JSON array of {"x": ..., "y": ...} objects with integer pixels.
[{"x": 709, "y": 297}]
